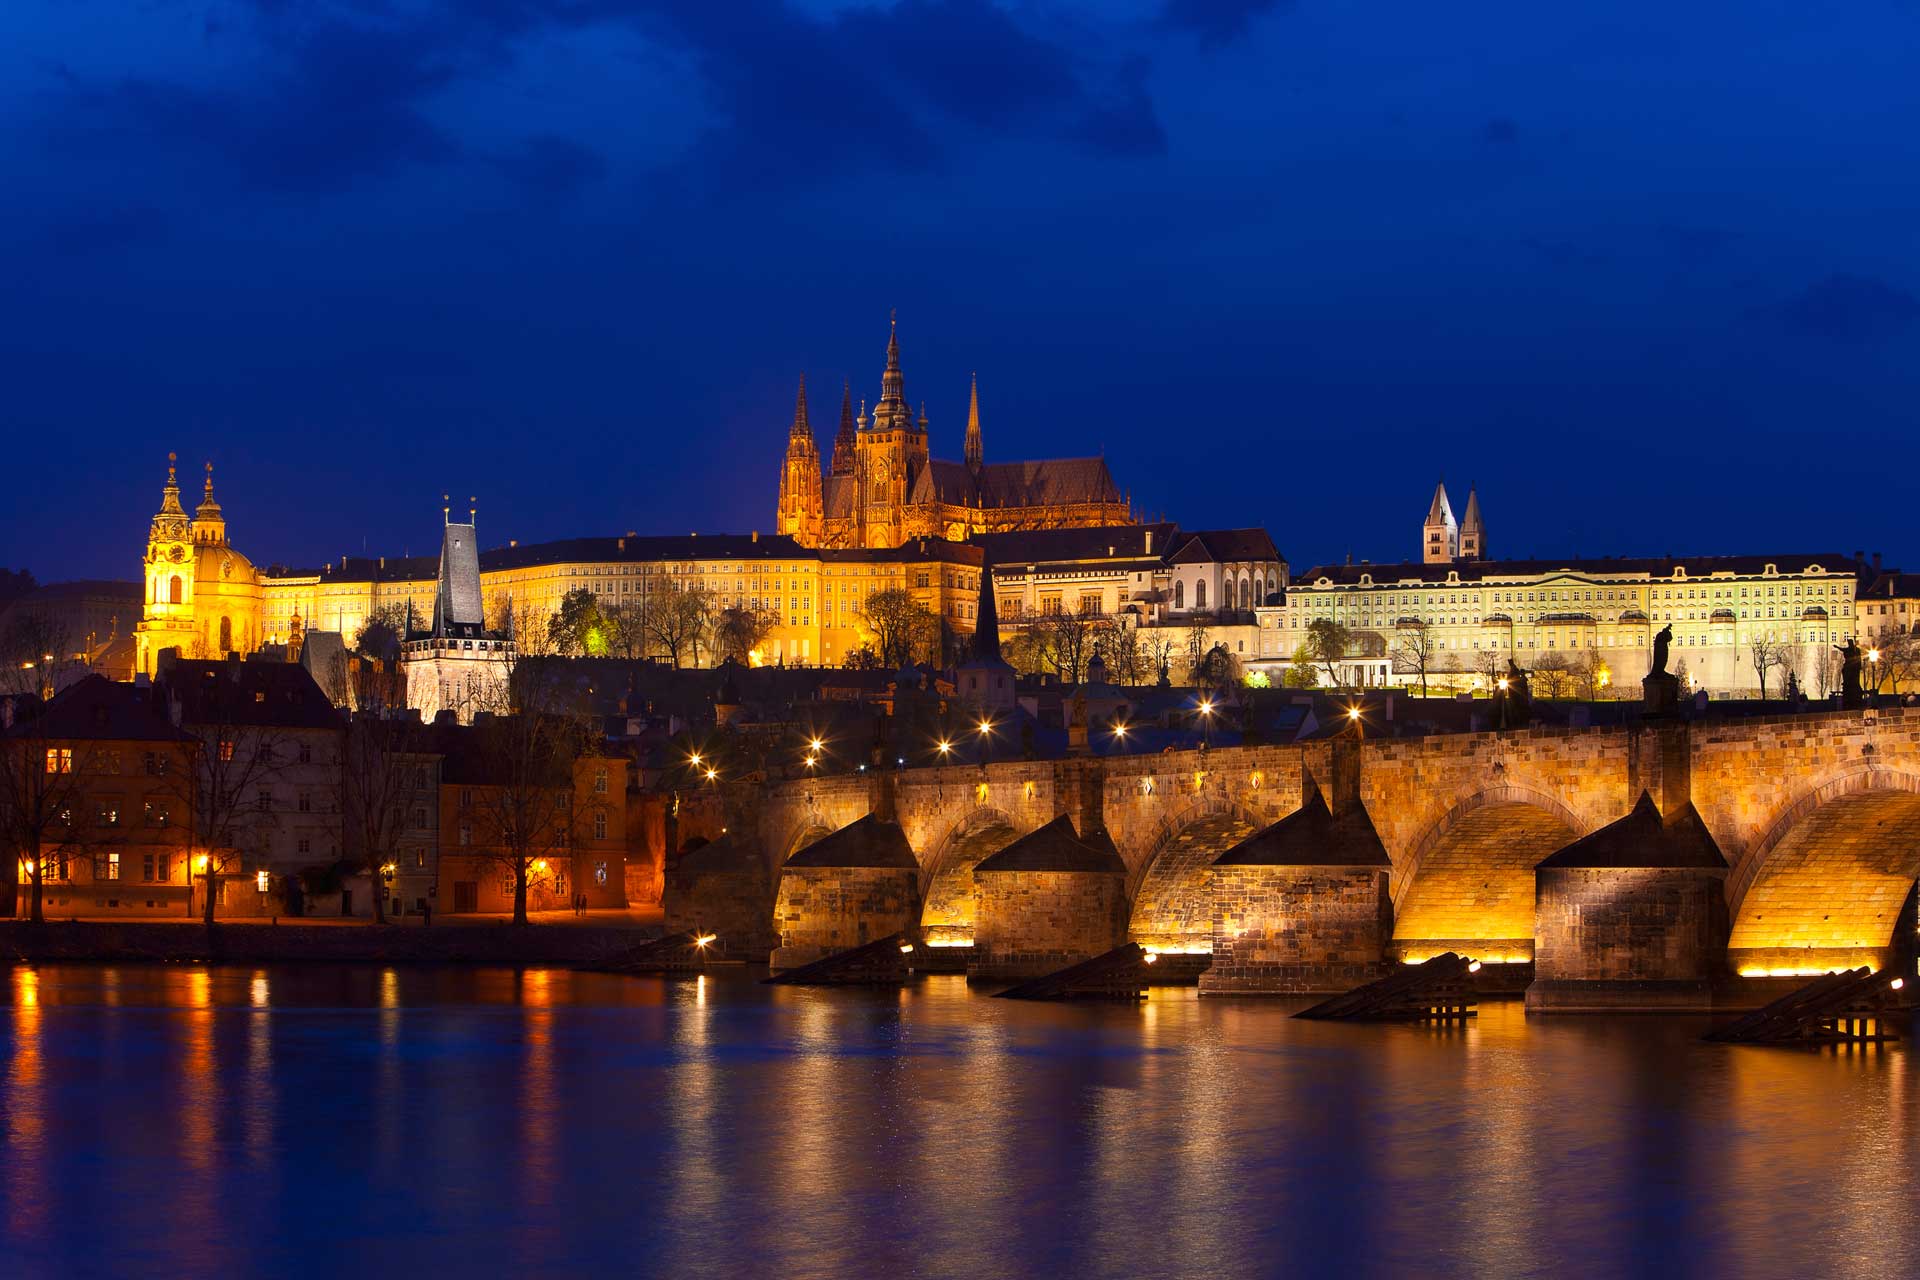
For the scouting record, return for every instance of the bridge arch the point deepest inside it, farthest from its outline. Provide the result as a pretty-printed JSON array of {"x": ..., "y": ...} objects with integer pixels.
[
  {"x": 947, "y": 912},
  {"x": 799, "y": 837},
  {"x": 1824, "y": 885},
  {"x": 1172, "y": 891},
  {"x": 1467, "y": 881}
]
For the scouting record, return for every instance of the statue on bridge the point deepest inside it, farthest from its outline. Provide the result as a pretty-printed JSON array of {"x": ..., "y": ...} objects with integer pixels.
[
  {"x": 1660, "y": 690},
  {"x": 1514, "y": 698},
  {"x": 1850, "y": 692}
]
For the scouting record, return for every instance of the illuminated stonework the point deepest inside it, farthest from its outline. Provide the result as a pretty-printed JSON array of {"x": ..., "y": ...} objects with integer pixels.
[
  {"x": 883, "y": 488},
  {"x": 201, "y": 596}
]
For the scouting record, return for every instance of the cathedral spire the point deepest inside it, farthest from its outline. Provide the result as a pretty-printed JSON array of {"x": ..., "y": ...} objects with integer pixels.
[
  {"x": 209, "y": 525},
  {"x": 802, "y": 429},
  {"x": 892, "y": 409},
  {"x": 975, "y": 453},
  {"x": 843, "y": 442}
]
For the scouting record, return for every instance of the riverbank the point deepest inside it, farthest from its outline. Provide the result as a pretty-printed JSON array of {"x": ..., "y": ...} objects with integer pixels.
[{"x": 181, "y": 942}]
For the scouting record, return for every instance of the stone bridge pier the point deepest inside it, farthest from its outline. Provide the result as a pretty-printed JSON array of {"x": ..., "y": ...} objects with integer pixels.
[{"x": 1665, "y": 855}]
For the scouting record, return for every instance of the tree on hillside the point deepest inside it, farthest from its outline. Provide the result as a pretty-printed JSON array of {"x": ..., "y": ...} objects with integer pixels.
[
  {"x": 677, "y": 619},
  {"x": 897, "y": 623},
  {"x": 380, "y": 635},
  {"x": 1302, "y": 673},
  {"x": 626, "y": 622},
  {"x": 1413, "y": 651},
  {"x": 1768, "y": 653},
  {"x": 1326, "y": 644},
  {"x": 1553, "y": 675},
  {"x": 577, "y": 627},
  {"x": 739, "y": 629}
]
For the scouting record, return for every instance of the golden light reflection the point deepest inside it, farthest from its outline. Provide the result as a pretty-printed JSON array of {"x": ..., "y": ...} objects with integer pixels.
[{"x": 26, "y": 1097}]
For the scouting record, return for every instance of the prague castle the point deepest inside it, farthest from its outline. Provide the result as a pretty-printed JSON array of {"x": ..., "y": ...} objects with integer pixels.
[{"x": 883, "y": 488}]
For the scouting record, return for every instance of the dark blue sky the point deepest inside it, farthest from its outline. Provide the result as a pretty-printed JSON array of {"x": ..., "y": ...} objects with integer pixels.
[{"x": 1645, "y": 273}]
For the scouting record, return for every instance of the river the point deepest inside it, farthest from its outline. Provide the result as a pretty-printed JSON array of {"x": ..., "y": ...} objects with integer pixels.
[{"x": 341, "y": 1121}]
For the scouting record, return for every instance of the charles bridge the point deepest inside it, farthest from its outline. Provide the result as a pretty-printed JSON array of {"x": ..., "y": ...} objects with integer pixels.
[{"x": 1639, "y": 865}]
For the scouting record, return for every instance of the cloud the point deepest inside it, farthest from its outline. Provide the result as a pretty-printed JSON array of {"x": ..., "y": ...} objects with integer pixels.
[
  {"x": 550, "y": 166},
  {"x": 85, "y": 232},
  {"x": 1125, "y": 122},
  {"x": 1217, "y": 22},
  {"x": 336, "y": 102},
  {"x": 1500, "y": 129},
  {"x": 1850, "y": 308}
]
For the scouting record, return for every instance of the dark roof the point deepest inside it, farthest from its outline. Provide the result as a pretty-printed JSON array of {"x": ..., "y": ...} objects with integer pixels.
[
  {"x": 869, "y": 842},
  {"x": 1386, "y": 575},
  {"x": 1056, "y": 847},
  {"x": 918, "y": 550},
  {"x": 1103, "y": 543},
  {"x": 98, "y": 709},
  {"x": 1643, "y": 839},
  {"x": 1311, "y": 836},
  {"x": 1886, "y": 584},
  {"x": 1219, "y": 546},
  {"x": 279, "y": 695}
]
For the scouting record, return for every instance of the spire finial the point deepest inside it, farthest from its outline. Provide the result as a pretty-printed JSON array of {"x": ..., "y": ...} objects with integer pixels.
[
  {"x": 172, "y": 458},
  {"x": 473, "y": 508},
  {"x": 975, "y": 453},
  {"x": 446, "y": 508},
  {"x": 209, "y": 480}
]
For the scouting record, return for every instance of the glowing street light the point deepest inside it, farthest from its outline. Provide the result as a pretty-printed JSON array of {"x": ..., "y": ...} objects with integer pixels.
[
  {"x": 986, "y": 727},
  {"x": 1353, "y": 713},
  {"x": 712, "y": 774},
  {"x": 1206, "y": 708},
  {"x": 946, "y": 748},
  {"x": 815, "y": 745},
  {"x": 694, "y": 759},
  {"x": 703, "y": 940}
]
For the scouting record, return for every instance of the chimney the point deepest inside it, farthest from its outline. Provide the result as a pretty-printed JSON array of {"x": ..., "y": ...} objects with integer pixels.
[
  {"x": 1149, "y": 542},
  {"x": 756, "y": 535},
  {"x": 1876, "y": 560},
  {"x": 383, "y": 562},
  {"x": 623, "y": 545}
]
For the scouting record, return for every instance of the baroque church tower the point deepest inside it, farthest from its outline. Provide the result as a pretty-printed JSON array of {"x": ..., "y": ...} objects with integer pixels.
[
  {"x": 202, "y": 597},
  {"x": 800, "y": 505}
]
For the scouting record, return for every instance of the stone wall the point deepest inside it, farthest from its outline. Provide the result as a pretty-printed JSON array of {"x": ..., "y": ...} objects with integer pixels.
[
  {"x": 1034, "y": 922},
  {"x": 1288, "y": 930},
  {"x": 821, "y": 910},
  {"x": 1628, "y": 925},
  {"x": 727, "y": 896}
]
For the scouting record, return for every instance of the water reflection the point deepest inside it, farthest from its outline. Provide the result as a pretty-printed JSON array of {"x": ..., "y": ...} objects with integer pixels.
[{"x": 304, "y": 1122}]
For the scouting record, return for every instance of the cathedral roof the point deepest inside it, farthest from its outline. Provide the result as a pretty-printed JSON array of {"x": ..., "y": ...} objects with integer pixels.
[
  {"x": 1055, "y": 482},
  {"x": 1222, "y": 546}
]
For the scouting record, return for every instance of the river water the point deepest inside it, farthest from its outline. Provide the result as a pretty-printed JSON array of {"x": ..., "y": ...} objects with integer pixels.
[{"x": 341, "y": 1121}]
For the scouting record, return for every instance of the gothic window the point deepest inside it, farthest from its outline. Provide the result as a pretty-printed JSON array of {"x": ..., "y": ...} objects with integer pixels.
[
  {"x": 1179, "y": 595},
  {"x": 1200, "y": 594},
  {"x": 173, "y": 589},
  {"x": 226, "y": 635}
]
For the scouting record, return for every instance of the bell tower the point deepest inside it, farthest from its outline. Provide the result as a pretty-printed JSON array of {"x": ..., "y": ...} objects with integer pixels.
[{"x": 166, "y": 611}]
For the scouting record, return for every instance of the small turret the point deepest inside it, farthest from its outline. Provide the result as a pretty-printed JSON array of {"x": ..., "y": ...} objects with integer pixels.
[
  {"x": 976, "y": 454},
  {"x": 1473, "y": 533}
]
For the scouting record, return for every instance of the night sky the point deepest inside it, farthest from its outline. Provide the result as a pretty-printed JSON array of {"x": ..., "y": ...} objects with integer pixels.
[{"x": 1645, "y": 273}]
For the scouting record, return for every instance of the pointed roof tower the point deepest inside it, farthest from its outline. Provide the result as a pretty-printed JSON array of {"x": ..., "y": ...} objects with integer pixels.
[
  {"x": 1440, "y": 536},
  {"x": 976, "y": 455},
  {"x": 843, "y": 440},
  {"x": 1473, "y": 534},
  {"x": 1441, "y": 512},
  {"x": 209, "y": 525},
  {"x": 802, "y": 429},
  {"x": 892, "y": 410}
]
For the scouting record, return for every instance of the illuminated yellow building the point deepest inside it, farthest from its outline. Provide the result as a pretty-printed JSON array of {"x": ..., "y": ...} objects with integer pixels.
[
  {"x": 814, "y": 595},
  {"x": 200, "y": 596}
]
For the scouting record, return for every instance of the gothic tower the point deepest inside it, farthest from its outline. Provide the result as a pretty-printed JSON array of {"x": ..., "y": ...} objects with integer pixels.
[
  {"x": 844, "y": 439},
  {"x": 1441, "y": 541},
  {"x": 801, "y": 508},
  {"x": 891, "y": 451},
  {"x": 976, "y": 456},
  {"x": 1473, "y": 534}
]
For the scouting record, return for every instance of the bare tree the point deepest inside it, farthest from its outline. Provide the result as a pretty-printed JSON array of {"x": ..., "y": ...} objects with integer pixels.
[
  {"x": 525, "y": 813},
  {"x": 379, "y": 780},
  {"x": 1489, "y": 665},
  {"x": 897, "y": 623},
  {"x": 1553, "y": 675},
  {"x": 1072, "y": 637},
  {"x": 1413, "y": 650},
  {"x": 627, "y": 627},
  {"x": 1157, "y": 649},
  {"x": 1120, "y": 648},
  {"x": 677, "y": 619},
  {"x": 739, "y": 629},
  {"x": 228, "y": 787},
  {"x": 1591, "y": 675},
  {"x": 1900, "y": 660},
  {"x": 1768, "y": 653}
]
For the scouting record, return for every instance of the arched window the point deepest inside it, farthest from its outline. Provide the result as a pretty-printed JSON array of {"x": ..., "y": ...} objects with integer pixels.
[
  {"x": 1200, "y": 594},
  {"x": 226, "y": 636},
  {"x": 173, "y": 589},
  {"x": 1179, "y": 595},
  {"x": 1246, "y": 592}
]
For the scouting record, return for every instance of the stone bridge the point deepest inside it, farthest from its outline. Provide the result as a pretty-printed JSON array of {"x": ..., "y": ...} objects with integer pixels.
[{"x": 1805, "y": 830}]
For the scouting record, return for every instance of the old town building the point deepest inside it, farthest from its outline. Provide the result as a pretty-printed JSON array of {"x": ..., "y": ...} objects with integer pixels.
[
  {"x": 882, "y": 486},
  {"x": 457, "y": 665}
]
